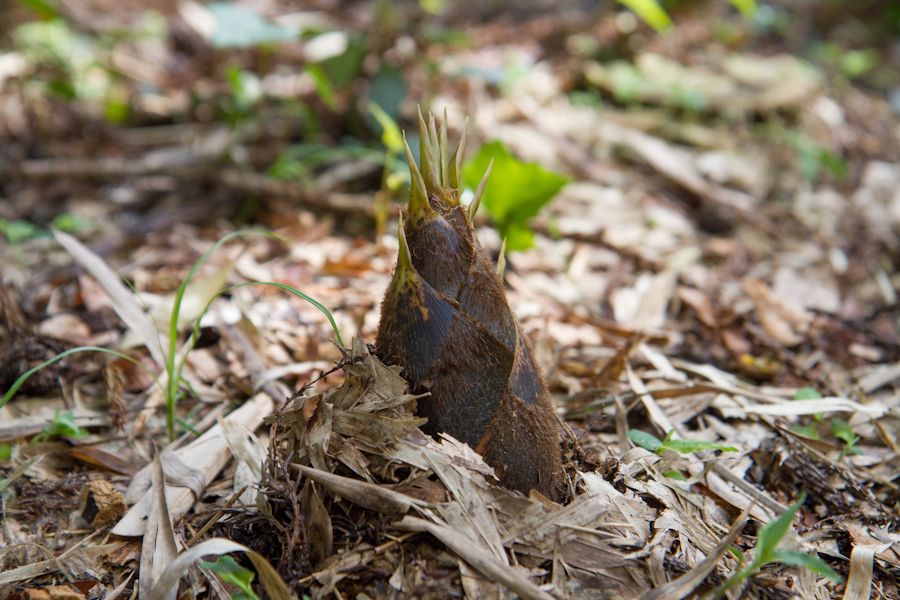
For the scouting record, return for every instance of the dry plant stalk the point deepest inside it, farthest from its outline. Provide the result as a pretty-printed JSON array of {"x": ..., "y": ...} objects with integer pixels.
[{"x": 445, "y": 319}]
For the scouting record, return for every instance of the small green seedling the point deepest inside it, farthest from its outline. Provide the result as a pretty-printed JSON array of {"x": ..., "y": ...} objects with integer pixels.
[
  {"x": 807, "y": 393},
  {"x": 61, "y": 425},
  {"x": 842, "y": 431},
  {"x": 650, "y": 442},
  {"x": 767, "y": 552},
  {"x": 840, "y": 428},
  {"x": 234, "y": 574}
]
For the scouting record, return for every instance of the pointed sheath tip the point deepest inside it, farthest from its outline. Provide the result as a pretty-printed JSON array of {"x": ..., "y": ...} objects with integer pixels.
[
  {"x": 501, "y": 261},
  {"x": 479, "y": 192},
  {"x": 419, "y": 207},
  {"x": 404, "y": 258},
  {"x": 443, "y": 151},
  {"x": 456, "y": 161}
]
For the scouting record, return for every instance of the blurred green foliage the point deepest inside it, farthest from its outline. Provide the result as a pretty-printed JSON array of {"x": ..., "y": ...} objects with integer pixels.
[{"x": 515, "y": 192}]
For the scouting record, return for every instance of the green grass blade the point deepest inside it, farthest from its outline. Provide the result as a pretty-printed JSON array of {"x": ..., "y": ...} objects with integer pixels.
[
  {"x": 172, "y": 389},
  {"x": 18, "y": 383},
  {"x": 195, "y": 334}
]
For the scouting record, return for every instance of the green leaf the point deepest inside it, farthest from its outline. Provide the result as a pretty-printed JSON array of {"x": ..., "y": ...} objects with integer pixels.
[
  {"x": 68, "y": 222},
  {"x": 808, "y": 561},
  {"x": 344, "y": 68},
  {"x": 18, "y": 231},
  {"x": 676, "y": 475},
  {"x": 645, "y": 440},
  {"x": 810, "y": 431},
  {"x": 42, "y": 8},
  {"x": 5, "y": 451},
  {"x": 323, "y": 86},
  {"x": 856, "y": 63},
  {"x": 388, "y": 90},
  {"x": 841, "y": 429},
  {"x": 246, "y": 88},
  {"x": 747, "y": 8},
  {"x": 61, "y": 425},
  {"x": 686, "y": 446},
  {"x": 231, "y": 572},
  {"x": 390, "y": 131},
  {"x": 773, "y": 532},
  {"x": 238, "y": 26},
  {"x": 807, "y": 393},
  {"x": 515, "y": 192},
  {"x": 650, "y": 12}
]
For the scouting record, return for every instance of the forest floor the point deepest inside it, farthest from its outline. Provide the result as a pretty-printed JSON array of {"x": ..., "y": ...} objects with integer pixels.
[{"x": 711, "y": 295}]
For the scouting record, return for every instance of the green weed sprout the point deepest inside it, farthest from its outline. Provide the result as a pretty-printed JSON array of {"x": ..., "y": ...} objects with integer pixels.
[
  {"x": 767, "y": 551},
  {"x": 61, "y": 425}
]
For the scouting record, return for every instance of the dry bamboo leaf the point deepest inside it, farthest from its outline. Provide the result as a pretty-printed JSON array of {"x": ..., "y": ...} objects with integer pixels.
[
  {"x": 250, "y": 454},
  {"x": 316, "y": 523},
  {"x": 859, "y": 581},
  {"x": 158, "y": 548},
  {"x": 476, "y": 556},
  {"x": 207, "y": 455},
  {"x": 787, "y": 324},
  {"x": 793, "y": 408},
  {"x": 659, "y": 418},
  {"x": 124, "y": 301},
  {"x": 367, "y": 495},
  {"x": 89, "y": 554},
  {"x": 687, "y": 583},
  {"x": 476, "y": 586}
]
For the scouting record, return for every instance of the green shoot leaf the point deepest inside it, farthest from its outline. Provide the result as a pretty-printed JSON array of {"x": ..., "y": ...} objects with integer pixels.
[
  {"x": 515, "y": 192},
  {"x": 809, "y": 561},
  {"x": 773, "y": 532}
]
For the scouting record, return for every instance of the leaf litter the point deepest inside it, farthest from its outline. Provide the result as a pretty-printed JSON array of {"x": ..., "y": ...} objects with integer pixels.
[{"x": 672, "y": 290}]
